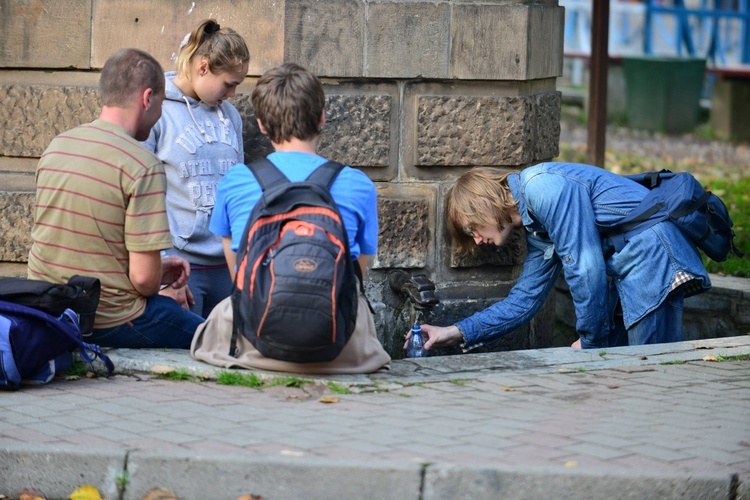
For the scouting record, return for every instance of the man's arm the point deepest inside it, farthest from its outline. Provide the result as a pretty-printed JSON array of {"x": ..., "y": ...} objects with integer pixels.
[
  {"x": 145, "y": 272},
  {"x": 148, "y": 271}
]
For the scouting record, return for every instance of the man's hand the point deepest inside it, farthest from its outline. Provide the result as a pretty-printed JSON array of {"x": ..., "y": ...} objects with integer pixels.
[
  {"x": 438, "y": 336},
  {"x": 175, "y": 271},
  {"x": 183, "y": 295},
  {"x": 576, "y": 344}
]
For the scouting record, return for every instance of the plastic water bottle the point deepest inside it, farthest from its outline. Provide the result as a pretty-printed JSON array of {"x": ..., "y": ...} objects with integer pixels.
[{"x": 415, "y": 348}]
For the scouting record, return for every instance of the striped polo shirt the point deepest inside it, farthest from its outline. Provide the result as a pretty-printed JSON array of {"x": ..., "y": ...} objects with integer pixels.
[{"x": 100, "y": 195}]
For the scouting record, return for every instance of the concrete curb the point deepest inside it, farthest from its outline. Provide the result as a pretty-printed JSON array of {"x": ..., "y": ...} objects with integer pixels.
[
  {"x": 441, "y": 368},
  {"x": 56, "y": 471},
  {"x": 449, "y": 483}
]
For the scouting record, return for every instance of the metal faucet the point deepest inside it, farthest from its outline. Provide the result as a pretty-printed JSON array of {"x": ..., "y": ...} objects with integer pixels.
[{"x": 418, "y": 289}]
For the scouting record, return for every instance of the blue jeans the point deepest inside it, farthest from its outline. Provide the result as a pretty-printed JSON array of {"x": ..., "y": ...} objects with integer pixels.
[
  {"x": 210, "y": 285},
  {"x": 663, "y": 324},
  {"x": 164, "y": 323}
]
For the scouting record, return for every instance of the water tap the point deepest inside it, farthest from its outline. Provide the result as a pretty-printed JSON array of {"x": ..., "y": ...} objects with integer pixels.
[{"x": 418, "y": 289}]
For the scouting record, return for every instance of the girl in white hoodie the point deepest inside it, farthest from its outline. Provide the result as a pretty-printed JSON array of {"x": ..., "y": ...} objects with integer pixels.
[{"x": 199, "y": 137}]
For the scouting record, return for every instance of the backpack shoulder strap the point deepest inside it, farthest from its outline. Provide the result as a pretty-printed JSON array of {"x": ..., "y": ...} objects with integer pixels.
[
  {"x": 325, "y": 174},
  {"x": 267, "y": 174},
  {"x": 62, "y": 327}
]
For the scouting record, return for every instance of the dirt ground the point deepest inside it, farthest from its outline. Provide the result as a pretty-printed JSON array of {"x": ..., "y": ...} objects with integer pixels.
[{"x": 625, "y": 147}]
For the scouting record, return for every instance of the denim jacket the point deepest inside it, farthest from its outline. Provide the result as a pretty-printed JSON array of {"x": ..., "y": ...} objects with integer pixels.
[{"x": 560, "y": 204}]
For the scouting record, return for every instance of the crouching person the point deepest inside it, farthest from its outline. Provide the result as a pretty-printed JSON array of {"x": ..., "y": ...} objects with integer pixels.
[
  {"x": 287, "y": 324},
  {"x": 628, "y": 297}
]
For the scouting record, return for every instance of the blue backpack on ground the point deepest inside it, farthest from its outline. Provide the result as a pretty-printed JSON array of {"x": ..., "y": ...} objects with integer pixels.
[
  {"x": 34, "y": 345},
  {"x": 679, "y": 198}
]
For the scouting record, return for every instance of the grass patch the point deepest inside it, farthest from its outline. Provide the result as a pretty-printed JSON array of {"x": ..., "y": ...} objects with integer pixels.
[
  {"x": 79, "y": 368},
  {"x": 287, "y": 382},
  {"x": 675, "y": 362},
  {"x": 179, "y": 375},
  {"x": 338, "y": 389},
  {"x": 457, "y": 381},
  {"x": 736, "y": 194},
  {"x": 256, "y": 382},
  {"x": 739, "y": 357},
  {"x": 239, "y": 378},
  {"x": 122, "y": 481}
]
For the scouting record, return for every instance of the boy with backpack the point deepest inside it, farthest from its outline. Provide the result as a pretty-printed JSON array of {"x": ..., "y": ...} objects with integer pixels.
[{"x": 255, "y": 217}]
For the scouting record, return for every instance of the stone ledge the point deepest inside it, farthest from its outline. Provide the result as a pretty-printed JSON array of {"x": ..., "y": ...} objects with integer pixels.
[{"x": 722, "y": 311}]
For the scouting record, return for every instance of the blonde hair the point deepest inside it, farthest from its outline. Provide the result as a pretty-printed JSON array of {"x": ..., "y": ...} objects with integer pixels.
[
  {"x": 223, "y": 48},
  {"x": 479, "y": 197}
]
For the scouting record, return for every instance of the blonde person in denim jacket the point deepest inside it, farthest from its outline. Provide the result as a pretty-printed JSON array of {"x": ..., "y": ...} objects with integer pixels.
[
  {"x": 630, "y": 297},
  {"x": 199, "y": 137}
]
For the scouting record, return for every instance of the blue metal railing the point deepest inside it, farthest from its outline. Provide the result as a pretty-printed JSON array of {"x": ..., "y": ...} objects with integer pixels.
[{"x": 719, "y": 25}]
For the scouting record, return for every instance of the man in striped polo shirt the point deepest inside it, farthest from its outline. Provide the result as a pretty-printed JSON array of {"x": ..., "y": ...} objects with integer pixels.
[{"x": 100, "y": 211}]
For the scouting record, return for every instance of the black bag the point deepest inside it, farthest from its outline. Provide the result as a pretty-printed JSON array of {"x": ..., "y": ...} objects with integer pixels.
[
  {"x": 35, "y": 345},
  {"x": 296, "y": 290},
  {"x": 81, "y": 294},
  {"x": 679, "y": 198}
]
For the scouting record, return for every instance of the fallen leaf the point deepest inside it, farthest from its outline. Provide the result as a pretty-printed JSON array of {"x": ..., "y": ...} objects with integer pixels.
[
  {"x": 29, "y": 494},
  {"x": 291, "y": 453},
  {"x": 571, "y": 464},
  {"x": 508, "y": 389},
  {"x": 613, "y": 386},
  {"x": 702, "y": 347},
  {"x": 86, "y": 492},
  {"x": 711, "y": 358},
  {"x": 250, "y": 497},
  {"x": 162, "y": 369},
  {"x": 91, "y": 375},
  {"x": 328, "y": 399},
  {"x": 160, "y": 494}
]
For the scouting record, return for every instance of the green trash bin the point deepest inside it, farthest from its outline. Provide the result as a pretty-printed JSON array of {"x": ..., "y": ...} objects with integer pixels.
[{"x": 663, "y": 93}]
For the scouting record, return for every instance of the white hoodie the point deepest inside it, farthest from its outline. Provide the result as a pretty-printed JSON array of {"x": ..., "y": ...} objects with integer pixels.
[{"x": 197, "y": 144}]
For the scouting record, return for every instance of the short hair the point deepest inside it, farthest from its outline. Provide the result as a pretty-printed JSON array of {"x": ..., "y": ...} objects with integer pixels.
[
  {"x": 127, "y": 73},
  {"x": 479, "y": 197},
  {"x": 289, "y": 101},
  {"x": 224, "y": 49}
]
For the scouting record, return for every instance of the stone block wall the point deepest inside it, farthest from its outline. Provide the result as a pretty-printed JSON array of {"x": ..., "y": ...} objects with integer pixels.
[
  {"x": 417, "y": 92},
  {"x": 722, "y": 311}
]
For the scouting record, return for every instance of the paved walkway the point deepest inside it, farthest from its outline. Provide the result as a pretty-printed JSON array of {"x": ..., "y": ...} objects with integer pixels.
[{"x": 647, "y": 422}]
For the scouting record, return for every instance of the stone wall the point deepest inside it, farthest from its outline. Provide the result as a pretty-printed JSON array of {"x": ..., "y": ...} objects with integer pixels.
[
  {"x": 417, "y": 92},
  {"x": 722, "y": 311}
]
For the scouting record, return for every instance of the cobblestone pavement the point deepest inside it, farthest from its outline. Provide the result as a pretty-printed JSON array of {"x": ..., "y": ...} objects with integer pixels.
[
  {"x": 673, "y": 418},
  {"x": 681, "y": 418}
]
